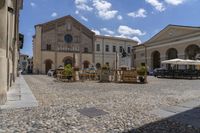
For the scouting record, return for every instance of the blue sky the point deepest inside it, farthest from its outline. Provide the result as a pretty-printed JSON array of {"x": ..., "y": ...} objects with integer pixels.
[{"x": 135, "y": 19}]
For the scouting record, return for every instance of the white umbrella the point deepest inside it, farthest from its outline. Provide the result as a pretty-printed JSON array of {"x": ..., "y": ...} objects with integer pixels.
[
  {"x": 191, "y": 62},
  {"x": 182, "y": 62},
  {"x": 123, "y": 66},
  {"x": 172, "y": 61}
]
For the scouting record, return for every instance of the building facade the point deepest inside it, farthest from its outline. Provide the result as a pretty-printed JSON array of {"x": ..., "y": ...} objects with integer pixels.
[
  {"x": 9, "y": 44},
  {"x": 108, "y": 50},
  {"x": 67, "y": 41},
  {"x": 172, "y": 42}
]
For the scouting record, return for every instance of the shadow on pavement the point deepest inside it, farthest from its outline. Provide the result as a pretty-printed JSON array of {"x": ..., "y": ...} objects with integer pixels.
[{"x": 186, "y": 122}]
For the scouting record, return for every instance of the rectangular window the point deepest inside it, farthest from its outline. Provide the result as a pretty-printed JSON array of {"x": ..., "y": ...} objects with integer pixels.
[
  {"x": 48, "y": 47},
  {"x": 86, "y": 50},
  {"x": 114, "y": 48},
  {"x": 107, "y": 48},
  {"x": 98, "y": 47},
  {"x": 120, "y": 49},
  {"x": 129, "y": 50},
  {"x": 69, "y": 26}
]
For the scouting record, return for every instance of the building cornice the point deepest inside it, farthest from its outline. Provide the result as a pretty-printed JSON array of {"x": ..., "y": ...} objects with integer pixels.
[
  {"x": 186, "y": 40},
  {"x": 176, "y": 39},
  {"x": 115, "y": 38}
]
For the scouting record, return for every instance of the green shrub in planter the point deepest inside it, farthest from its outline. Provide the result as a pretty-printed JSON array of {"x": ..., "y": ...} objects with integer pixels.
[
  {"x": 142, "y": 71},
  {"x": 68, "y": 71}
]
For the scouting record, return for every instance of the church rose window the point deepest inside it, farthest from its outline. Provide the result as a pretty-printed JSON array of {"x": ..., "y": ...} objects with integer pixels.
[{"x": 68, "y": 38}]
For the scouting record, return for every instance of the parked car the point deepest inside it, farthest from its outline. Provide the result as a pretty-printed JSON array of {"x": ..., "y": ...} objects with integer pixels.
[
  {"x": 51, "y": 72},
  {"x": 151, "y": 73},
  {"x": 157, "y": 70}
]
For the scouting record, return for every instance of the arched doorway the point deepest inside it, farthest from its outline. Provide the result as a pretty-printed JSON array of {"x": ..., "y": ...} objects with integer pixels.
[
  {"x": 68, "y": 60},
  {"x": 192, "y": 51},
  {"x": 48, "y": 65},
  {"x": 86, "y": 64},
  {"x": 98, "y": 65},
  {"x": 171, "y": 54},
  {"x": 156, "y": 59}
]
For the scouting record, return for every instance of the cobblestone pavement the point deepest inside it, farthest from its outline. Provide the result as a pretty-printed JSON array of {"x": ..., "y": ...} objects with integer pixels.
[{"x": 128, "y": 106}]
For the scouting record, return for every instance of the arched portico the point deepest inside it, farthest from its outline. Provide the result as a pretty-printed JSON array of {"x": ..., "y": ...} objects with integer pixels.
[
  {"x": 155, "y": 59},
  {"x": 171, "y": 53},
  {"x": 192, "y": 51},
  {"x": 48, "y": 65},
  {"x": 68, "y": 60}
]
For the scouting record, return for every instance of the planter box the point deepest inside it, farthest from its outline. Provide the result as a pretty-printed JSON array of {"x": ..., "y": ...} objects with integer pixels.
[{"x": 104, "y": 75}]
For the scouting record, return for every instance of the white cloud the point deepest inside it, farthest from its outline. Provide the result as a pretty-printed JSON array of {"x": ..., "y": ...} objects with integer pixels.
[
  {"x": 32, "y": 4},
  {"x": 128, "y": 37},
  {"x": 96, "y": 32},
  {"x": 84, "y": 18},
  {"x": 54, "y": 14},
  {"x": 83, "y": 5},
  {"x": 137, "y": 39},
  {"x": 128, "y": 31},
  {"x": 76, "y": 12},
  {"x": 174, "y": 2},
  {"x": 107, "y": 31},
  {"x": 140, "y": 13},
  {"x": 156, "y": 4},
  {"x": 104, "y": 9},
  {"x": 119, "y": 17}
]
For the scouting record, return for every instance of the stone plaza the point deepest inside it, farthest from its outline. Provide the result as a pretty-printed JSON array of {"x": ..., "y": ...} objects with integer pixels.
[{"x": 92, "y": 107}]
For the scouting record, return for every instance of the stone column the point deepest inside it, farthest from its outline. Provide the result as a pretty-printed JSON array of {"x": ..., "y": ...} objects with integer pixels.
[{"x": 3, "y": 56}]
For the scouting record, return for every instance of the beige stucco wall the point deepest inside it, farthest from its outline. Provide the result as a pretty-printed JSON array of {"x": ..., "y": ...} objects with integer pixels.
[
  {"x": 9, "y": 53},
  {"x": 3, "y": 58},
  {"x": 37, "y": 68}
]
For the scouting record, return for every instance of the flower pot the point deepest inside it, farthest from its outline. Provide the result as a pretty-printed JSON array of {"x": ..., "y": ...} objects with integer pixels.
[
  {"x": 141, "y": 78},
  {"x": 69, "y": 77}
]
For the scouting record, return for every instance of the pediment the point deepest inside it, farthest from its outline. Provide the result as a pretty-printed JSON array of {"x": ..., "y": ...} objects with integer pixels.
[
  {"x": 172, "y": 32},
  {"x": 61, "y": 22}
]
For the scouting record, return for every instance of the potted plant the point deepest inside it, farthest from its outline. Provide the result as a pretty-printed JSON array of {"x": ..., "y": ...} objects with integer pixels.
[
  {"x": 105, "y": 73},
  {"x": 141, "y": 71},
  {"x": 68, "y": 71}
]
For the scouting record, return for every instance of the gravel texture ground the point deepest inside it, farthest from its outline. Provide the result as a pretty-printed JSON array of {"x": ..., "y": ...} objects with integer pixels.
[{"x": 128, "y": 106}]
